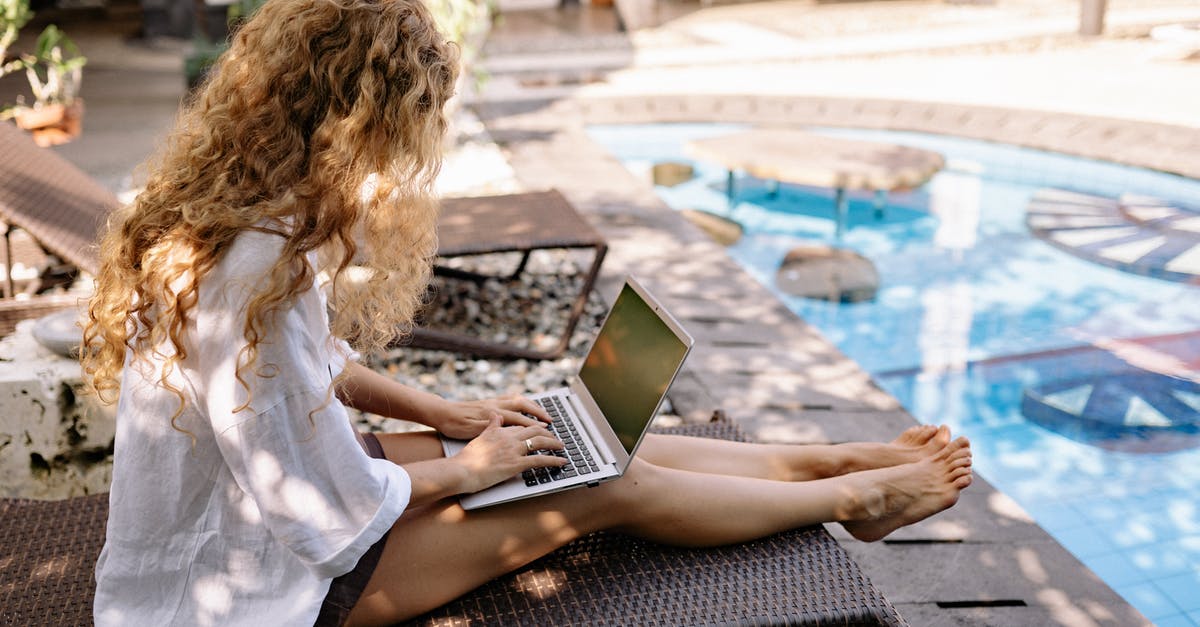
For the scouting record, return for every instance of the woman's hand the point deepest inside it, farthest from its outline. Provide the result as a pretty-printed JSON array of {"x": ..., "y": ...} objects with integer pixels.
[
  {"x": 466, "y": 420},
  {"x": 501, "y": 452}
]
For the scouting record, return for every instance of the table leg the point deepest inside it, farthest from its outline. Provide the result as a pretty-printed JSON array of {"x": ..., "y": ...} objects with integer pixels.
[
  {"x": 880, "y": 203},
  {"x": 772, "y": 189},
  {"x": 843, "y": 211},
  {"x": 729, "y": 191}
]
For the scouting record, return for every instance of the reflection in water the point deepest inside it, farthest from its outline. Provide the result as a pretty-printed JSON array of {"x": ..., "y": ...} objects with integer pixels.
[{"x": 954, "y": 197}]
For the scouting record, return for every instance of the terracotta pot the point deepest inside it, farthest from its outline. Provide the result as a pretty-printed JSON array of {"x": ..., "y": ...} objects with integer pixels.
[{"x": 52, "y": 124}]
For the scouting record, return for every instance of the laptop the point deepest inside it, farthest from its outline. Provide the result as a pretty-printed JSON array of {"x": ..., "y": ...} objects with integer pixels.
[{"x": 607, "y": 408}]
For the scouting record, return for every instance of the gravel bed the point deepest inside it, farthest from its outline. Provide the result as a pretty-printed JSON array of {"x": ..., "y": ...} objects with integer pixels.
[{"x": 531, "y": 310}]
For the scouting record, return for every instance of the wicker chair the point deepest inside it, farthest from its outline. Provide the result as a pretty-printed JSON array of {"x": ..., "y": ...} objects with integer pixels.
[
  {"x": 48, "y": 550},
  {"x": 63, "y": 209},
  {"x": 511, "y": 223},
  {"x": 57, "y": 204}
]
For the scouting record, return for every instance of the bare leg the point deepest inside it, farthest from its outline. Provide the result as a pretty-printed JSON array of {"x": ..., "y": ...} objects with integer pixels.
[
  {"x": 790, "y": 462},
  {"x": 436, "y": 553}
]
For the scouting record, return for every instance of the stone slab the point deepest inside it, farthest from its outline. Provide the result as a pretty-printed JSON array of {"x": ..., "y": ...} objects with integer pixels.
[
  {"x": 931, "y": 615},
  {"x": 839, "y": 386},
  {"x": 55, "y": 442},
  {"x": 791, "y": 156},
  {"x": 982, "y": 515},
  {"x": 1038, "y": 574}
]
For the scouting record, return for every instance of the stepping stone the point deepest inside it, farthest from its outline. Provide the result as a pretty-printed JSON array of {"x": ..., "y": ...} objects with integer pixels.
[
  {"x": 670, "y": 173},
  {"x": 724, "y": 231},
  {"x": 828, "y": 273}
]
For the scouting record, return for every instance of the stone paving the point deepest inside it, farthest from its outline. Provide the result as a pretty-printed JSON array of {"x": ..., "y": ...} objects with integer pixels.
[{"x": 984, "y": 562}]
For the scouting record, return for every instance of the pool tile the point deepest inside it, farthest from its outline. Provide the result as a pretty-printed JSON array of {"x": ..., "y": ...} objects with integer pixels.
[
  {"x": 1195, "y": 616},
  {"x": 1148, "y": 600},
  {"x": 1057, "y": 516},
  {"x": 1084, "y": 542},
  {"x": 1101, "y": 510},
  {"x": 1140, "y": 529},
  {"x": 1161, "y": 560},
  {"x": 1116, "y": 569},
  {"x": 1183, "y": 590},
  {"x": 1176, "y": 620}
]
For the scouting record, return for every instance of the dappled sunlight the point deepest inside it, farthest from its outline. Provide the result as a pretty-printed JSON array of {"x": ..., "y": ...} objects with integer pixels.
[
  {"x": 945, "y": 529},
  {"x": 790, "y": 431},
  {"x": 541, "y": 585},
  {"x": 1065, "y": 611},
  {"x": 213, "y": 597},
  {"x": 1031, "y": 566},
  {"x": 52, "y": 567},
  {"x": 1003, "y": 505}
]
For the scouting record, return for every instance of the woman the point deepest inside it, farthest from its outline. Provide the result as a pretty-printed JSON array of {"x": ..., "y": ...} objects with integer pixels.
[{"x": 241, "y": 494}]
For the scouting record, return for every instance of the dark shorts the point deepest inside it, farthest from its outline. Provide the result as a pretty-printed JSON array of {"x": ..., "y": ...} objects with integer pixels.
[{"x": 345, "y": 590}]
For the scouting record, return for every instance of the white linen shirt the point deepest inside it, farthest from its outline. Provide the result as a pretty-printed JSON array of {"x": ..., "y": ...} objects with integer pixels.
[{"x": 249, "y": 523}]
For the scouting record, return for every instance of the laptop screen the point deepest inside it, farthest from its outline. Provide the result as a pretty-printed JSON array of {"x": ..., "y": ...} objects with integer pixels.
[{"x": 631, "y": 364}]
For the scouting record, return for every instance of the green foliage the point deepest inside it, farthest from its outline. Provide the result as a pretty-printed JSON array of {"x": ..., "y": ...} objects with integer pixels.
[
  {"x": 458, "y": 19},
  {"x": 55, "y": 70},
  {"x": 14, "y": 14},
  {"x": 466, "y": 23}
]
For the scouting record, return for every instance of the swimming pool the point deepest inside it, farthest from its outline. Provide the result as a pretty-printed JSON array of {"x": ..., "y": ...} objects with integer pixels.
[{"x": 974, "y": 314}]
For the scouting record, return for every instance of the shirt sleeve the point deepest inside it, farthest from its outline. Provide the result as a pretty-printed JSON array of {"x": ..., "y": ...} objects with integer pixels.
[
  {"x": 288, "y": 441},
  {"x": 313, "y": 486}
]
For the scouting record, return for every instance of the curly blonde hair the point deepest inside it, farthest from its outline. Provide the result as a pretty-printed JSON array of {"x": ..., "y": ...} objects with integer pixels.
[{"x": 313, "y": 100}]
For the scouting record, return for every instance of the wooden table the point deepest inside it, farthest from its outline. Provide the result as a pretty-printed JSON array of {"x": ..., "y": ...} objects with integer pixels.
[{"x": 801, "y": 158}]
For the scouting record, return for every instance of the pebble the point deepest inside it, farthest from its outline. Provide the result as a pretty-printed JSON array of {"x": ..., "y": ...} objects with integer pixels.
[
  {"x": 535, "y": 306},
  {"x": 531, "y": 309}
]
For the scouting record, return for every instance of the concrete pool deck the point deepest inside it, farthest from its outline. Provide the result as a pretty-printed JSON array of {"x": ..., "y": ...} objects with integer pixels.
[{"x": 553, "y": 72}]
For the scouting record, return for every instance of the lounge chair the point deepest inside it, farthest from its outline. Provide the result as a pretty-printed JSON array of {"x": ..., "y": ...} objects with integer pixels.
[
  {"x": 520, "y": 223},
  {"x": 48, "y": 550},
  {"x": 60, "y": 206},
  {"x": 63, "y": 209}
]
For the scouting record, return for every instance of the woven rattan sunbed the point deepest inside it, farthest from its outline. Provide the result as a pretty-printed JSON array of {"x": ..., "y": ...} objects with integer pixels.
[
  {"x": 58, "y": 204},
  {"x": 512, "y": 223},
  {"x": 48, "y": 550},
  {"x": 64, "y": 208}
]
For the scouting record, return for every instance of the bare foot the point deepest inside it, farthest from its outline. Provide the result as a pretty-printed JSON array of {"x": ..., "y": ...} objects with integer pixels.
[
  {"x": 916, "y": 436},
  {"x": 913, "y": 445},
  {"x": 891, "y": 498}
]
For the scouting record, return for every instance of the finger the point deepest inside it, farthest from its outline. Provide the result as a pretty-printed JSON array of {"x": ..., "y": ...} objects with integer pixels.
[
  {"x": 546, "y": 442},
  {"x": 518, "y": 419},
  {"x": 533, "y": 432},
  {"x": 544, "y": 461},
  {"x": 494, "y": 422},
  {"x": 526, "y": 406}
]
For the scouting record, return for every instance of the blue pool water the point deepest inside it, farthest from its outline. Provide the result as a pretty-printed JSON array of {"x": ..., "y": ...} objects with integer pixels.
[{"x": 973, "y": 311}]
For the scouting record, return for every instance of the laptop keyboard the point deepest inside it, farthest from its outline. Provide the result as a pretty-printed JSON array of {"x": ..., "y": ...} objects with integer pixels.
[{"x": 579, "y": 458}]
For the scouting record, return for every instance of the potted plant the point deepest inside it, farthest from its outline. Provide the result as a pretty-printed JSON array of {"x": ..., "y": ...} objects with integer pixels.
[
  {"x": 14, "y": 14},
  {"x": 54, "y": 71}
]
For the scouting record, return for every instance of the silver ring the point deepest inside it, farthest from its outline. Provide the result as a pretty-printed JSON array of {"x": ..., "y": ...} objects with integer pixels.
[{"x": 528, "y": 445}]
